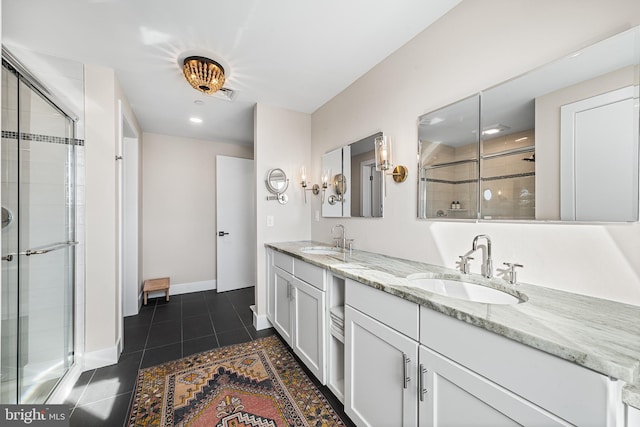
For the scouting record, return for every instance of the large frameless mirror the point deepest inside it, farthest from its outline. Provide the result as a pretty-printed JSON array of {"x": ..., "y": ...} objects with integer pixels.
[{"x": 558, "y": 143}]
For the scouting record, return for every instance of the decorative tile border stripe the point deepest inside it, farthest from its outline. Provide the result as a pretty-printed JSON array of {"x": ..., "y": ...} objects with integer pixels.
[
  {"x": 446, "y": 181},
  {"x": 471, "y": 181},
  {"x": 515, "y": 175},
  {"x": 42, "y": 138}
]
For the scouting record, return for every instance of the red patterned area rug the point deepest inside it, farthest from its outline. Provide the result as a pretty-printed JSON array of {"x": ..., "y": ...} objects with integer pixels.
[{"x": 255, "y": 384}]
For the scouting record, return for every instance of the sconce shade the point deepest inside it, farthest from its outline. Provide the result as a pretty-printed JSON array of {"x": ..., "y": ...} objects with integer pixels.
[
  {"x": 203, "y": 74},
  {"x": 383, "y": 153}
]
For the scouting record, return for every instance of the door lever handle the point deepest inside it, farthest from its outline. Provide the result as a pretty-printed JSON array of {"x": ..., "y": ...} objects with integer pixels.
[{"x": 222, "y": 233}]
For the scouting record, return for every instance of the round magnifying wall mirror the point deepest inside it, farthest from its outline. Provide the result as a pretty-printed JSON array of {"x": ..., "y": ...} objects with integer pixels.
[{"x": 277, "y": 181}]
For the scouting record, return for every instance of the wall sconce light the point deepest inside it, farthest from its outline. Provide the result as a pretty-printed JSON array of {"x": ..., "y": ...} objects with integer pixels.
[
  {"x": 315, "y": 188},
  {"x": 326, "y": 174},
  {"x": 384, "y": 161}
]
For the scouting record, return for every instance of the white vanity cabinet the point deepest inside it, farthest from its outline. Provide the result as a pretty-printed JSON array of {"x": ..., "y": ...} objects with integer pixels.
[
  {"x": 410, "y": 365},
  {"x": 297, "y": 299},
  {"x": 633, "y": 417},
  {"x": 380, "y": 358},
  {"x": 452, "y": 395},
  {"x": 471, "y": 373}
]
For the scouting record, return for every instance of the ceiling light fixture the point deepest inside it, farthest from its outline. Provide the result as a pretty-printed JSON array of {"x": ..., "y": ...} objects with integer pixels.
[
  {"x": 195, "y": 120},
  {"x": 203, "y": 74},
  {"x": 494, "y": 129}
]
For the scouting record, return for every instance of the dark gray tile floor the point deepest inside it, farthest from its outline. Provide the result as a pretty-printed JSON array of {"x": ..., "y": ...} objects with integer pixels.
[{"x": 164, "y": 331}]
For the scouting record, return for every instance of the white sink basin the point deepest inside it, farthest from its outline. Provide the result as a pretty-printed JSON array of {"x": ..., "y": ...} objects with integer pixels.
[
  {"x": 321, "y": 250},
  {"x": 462, "y": 290}
]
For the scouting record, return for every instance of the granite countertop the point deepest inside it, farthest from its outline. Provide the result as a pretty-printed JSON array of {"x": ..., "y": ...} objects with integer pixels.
[{"x": 598, "y": 334}]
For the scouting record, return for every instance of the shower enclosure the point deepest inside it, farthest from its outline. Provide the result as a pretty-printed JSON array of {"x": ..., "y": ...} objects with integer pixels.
[{"x": 38, "y": 240}]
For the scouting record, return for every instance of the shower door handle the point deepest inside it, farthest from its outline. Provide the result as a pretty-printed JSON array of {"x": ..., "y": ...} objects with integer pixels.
[{"x": 48, "y": 249}]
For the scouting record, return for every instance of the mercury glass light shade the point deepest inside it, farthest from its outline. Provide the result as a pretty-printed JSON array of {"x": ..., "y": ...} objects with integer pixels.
[{"x": 203, "y": 74}]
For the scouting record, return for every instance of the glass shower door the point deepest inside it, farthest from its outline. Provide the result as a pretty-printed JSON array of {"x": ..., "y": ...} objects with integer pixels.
[{"x": 38, "y": 263}]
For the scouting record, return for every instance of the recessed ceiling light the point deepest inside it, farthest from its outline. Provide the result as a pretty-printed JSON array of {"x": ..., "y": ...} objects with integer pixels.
[
  {"x": 198, "y": 102},
  {"x": 493, "y": 129},
  {"x": 195, "y": 120}
]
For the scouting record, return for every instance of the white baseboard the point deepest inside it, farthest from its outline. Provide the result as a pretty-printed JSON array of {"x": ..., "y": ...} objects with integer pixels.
[
  {"x": 260, "y": 321},
  {"x": 185, "y": 288},
  {"x": 100, "y": 358}
]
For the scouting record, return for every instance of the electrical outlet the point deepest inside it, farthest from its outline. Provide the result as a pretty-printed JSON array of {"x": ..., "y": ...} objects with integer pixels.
[{"x": 270, "y": 221}]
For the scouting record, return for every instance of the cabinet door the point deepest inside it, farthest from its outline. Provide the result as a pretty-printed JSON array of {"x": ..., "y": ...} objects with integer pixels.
[
  {"x": 380, "y": 373},
  {"x": 452, "y": 395},
  {"x": 309, "y": 327},
  {"x": 283, "y": 288}
]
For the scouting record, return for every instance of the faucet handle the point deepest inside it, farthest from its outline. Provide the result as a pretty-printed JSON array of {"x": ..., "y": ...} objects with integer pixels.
[
  {"x": 337, "y": 241},
  {"x": 464, "y": 263},
  {"x": 511, "y": 271}
]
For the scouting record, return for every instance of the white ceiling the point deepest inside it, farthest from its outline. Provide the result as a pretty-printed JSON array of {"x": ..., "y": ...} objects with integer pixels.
[{"x": 295, "y": 54}]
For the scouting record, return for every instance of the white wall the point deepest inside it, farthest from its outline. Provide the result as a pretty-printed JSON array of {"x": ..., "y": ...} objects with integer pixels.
[
  {"x": 475, "y": 46},
  {"x": 102, "y": 324},
  {"x": 281, "y": 140},
  {"x": 100, "y": 220},
  {"x": 178, "y": 208}
]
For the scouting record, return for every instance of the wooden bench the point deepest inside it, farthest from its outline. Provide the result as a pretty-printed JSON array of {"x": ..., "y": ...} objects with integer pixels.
[{"x": 150, "y": 285}]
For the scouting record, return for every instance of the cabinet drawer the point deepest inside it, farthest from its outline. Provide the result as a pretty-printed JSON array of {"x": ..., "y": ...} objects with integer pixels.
[
  {"x": 395, "y": 312},
  {"x": 311, "y": 274},
  {"x": 571, "y": 392},
  {"x": 283, "y": 261}
]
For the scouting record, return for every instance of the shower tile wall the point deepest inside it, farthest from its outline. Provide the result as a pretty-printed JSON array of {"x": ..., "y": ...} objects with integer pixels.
[
  {"x": 43, "y": 152},
  {"x": 513, "y": 197},
  {"x": 9, "y": 308},
  {"x": 452, "y": 183}
]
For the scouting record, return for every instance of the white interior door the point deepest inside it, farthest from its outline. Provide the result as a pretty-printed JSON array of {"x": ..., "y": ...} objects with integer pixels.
[
  {"x": 599, "y": 158},
  {"x": 235, "y": 225}
]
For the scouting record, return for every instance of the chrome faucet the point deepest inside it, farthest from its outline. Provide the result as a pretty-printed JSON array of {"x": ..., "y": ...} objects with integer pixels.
[
  {"x": 344, "y": 235},
  {"x": 487, "y": 263}
]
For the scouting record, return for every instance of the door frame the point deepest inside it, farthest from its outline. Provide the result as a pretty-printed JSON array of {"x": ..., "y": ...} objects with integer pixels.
[{"x": 127, "y": 234}]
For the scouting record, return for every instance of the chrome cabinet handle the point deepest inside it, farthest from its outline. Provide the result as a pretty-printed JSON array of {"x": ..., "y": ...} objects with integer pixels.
[
  {"x": 8, "y": 258},
  {"x": 405, "y": 362},
  {"x": 421, "y": 385}
]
